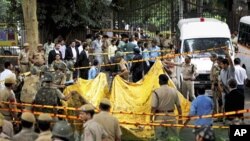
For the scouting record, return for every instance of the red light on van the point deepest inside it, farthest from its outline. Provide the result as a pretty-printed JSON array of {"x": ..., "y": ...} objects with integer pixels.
[{"x": 202, "y": 20}]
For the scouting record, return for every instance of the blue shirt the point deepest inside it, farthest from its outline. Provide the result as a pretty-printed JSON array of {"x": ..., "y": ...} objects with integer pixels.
[
  {"x": 93, "y": 72},
  {"x": 154, "y": 52},
  {"x": 145, "y": 55},
  {"x": 202, "y": 105}
]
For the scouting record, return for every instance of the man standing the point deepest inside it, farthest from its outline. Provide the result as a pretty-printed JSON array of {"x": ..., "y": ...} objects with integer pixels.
[
  {"x": 7, "y": 72},
  {"x": 97, "y": 47},
  {"x": 38, "y": 57},
  {"x": 214, "y": 75},
  {"x": 105, "y": 47},
  {"x": 44, "y": 125},
  {"x": 48, "y": 47},
  {"x": 23, "y": 59},
  {"x": 240, "y": 75},
  {"x": 27, "y": 133},
  {"x": 93, "y": 131},
  {"x": 52, "y": 53},
  {"x": 234, "y": 100},
  {"x": 123, "y": 66},
  {"x": 202, "y": 105},
  {"x": 83, "y": 61},
  {"x": 109, "y": 122},
  {"x": 30, "y": 87},
  {"x": 137, "y": 67},
  {"x": 154, "y": 52},
  {"x": 71, "y": 55},
  {"x": 164, "y": 100},
  {"x": 48, "y": 95},
  {"x": 189, "y": 72},
  {"x": 7, "y": 95}
]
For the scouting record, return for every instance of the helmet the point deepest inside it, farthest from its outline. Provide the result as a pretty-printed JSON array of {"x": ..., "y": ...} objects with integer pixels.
[
  {"x": 48, "y": 77},
  {"x": 61, "y": 66},
  {"x": 70, "y": 65},
  {"x": 33, "y": 70},
  {"x": 119, "y": 54},
  {"x": 44, "y": 68},
  {"x": 62, "y": 129}
]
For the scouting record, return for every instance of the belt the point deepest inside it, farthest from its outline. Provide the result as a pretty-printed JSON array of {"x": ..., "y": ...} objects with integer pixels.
[
  {"x": 169, "y": 111},
  {"x": 187, "y": 79}
]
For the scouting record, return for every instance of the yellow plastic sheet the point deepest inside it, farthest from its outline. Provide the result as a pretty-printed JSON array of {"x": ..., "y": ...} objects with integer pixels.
[
  {"x": 136, "y": 97},
  {"x": 125, "y": 96},
  {"x": 91, "y": 90}
]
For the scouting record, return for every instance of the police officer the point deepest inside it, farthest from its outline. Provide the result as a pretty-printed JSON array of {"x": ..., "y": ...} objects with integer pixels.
[
  {"x": 109, "y": 122},
  {"x": 7, "y": 127},
  {"x": 31, "y": 86},
  {"x": 48, "y": 95},
  {"x": 23, "y": 58},
  {"x": 189, "y": 72},
  {"x": 93, "y": 131},
  {"x": 164, "y": 100},
  {"x": 123, "y": 66},
  {"x": 27, "y": 133},
  {"x": 60, "y": 77},
  {"x": 44, "y": 123},
  {"x": 38, "y": 57},
  {"x": 3, "y": 136},
  {"x": 7, "y": 95},
  {"x": 62, "y": 131},
  {"x": 214, "y": 75}
]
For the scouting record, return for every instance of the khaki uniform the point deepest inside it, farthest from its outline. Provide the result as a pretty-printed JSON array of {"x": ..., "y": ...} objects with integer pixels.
[
  {"x": 110, "y": 125},
  {"x": 59, "y": 78},
  {"x": 214, "y": 75},
  {"x": 8, "y": 128},
  {"x": 44, "y": 136},
  {"x": 123, "y": 65},
  {"x": 93, "y": 131},
  {"x": 189, "y": 71},
  {"x": 39, "y": 58},
  {"x": 4, "y": 137},
  {"x": 23, "y": 59},
  {"x": 164, "y": 99},
  {"x": 31, "y": 85},
  {"x": 7, "y": 95},
  {"x": 25, "y": 135}
]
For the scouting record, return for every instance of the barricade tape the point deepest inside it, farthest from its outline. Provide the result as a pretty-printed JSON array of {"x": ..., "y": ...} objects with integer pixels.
[
  {"x": 167, "y": 56},
  {"x": 121, "y": 122},
  {"x": 132, "y": 113}
]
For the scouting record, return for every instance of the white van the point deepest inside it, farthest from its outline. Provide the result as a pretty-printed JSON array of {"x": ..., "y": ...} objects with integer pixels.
[{"x": 200, "y": 34}]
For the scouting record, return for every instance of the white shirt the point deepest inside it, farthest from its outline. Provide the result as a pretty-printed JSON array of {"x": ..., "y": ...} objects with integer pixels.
[
  {"x": 48, "y": 47},
  {"x": 240, "y": 74},
  {"x": 63, "y": 49},
  {"x": 74, "y": 53},
  {"x": 80, "y": 48},
  {"x": 57, "y": 51},
  {"x": 6, "y": 73}
]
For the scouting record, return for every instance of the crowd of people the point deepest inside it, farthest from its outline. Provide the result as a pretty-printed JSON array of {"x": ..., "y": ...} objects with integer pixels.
[{"x": 53, "y": 66}]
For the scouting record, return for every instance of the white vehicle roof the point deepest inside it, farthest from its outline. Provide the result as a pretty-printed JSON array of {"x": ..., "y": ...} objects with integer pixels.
[
  {"x": 207, "y": 29},
  {"x": 245, "y": 19},
  {"x": 191, "y": 20}
]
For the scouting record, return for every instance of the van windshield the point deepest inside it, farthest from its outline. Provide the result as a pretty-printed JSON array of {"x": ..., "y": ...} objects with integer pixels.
[{"x": 203, "y": 44}]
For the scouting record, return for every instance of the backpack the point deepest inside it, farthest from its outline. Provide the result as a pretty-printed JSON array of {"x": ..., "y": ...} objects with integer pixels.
[{"x": 29, "y": 89}]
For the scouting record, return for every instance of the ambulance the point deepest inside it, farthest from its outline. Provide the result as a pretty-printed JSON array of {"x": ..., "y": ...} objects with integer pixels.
[{"x": 200, "y": 37}]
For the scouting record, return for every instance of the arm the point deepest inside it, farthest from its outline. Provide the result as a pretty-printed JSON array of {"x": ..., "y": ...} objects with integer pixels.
[
  {"x": 154, "y": 105},
  {"x": 19, "y": 59}
]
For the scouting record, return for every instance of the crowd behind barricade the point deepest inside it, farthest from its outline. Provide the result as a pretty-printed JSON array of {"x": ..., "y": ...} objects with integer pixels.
[{"x": 53, "y": 66}]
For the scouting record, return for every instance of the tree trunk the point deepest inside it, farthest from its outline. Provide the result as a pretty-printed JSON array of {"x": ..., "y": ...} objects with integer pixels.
[{"x": 31, "y": 23}]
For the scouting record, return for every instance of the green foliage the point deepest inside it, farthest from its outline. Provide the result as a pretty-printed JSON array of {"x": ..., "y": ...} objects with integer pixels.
[
  {"x": 71, "y": 13},
  {"x": 4, "y": 4}
]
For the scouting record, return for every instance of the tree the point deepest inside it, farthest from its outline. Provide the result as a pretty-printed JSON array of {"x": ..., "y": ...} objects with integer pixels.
[{"x": 30, "y": 21}]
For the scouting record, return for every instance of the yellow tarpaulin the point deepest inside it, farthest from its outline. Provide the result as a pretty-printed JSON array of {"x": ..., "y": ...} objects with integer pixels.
[
  {"x": 126, "y": 96},
  {"x": 136, "y": 97}
]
